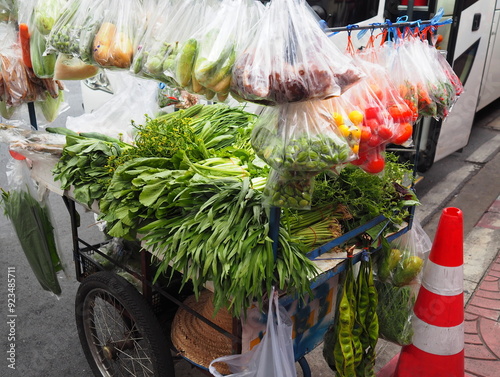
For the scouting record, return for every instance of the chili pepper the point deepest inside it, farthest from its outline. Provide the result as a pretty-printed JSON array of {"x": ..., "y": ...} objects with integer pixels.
[{"x": 24, "y": 41}]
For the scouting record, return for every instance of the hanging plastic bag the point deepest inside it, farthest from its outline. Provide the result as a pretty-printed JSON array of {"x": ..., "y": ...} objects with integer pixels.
[
  {"x": 168, "y": 37},
  {"x": 133, "y": 99},
  {"x": 39, "y": 16},
  {"x": 114, "y": 42},
  {"x": 401, "y": 118},
  {"x": 203, "y": 62},
  {"x": 375, "y": 123},
  {"x": 75, "y": 29},
  {"x": 346, "y": 118},
  {"x": 299, "y": 141},
  {"x": 273, "y": 356},
  {"x": 8, "y": 10},
  {"x": 403, "y": 75},
  {"x": 300, "y": 137},
  {"x": 289, "y": 189},
  {"x": 153, "y": 48},
  {"x": 218, "y": 45},
  {"x": 7, "y": 112},
  {"x": 289, "y": 58},
  {"x": 425, "y": 76},
  {"x": 51, "y": 107},
  {"x": 31, "y": 219},
  {"x": 69, "y": 67},
  {"x": 398, "y": 279}
]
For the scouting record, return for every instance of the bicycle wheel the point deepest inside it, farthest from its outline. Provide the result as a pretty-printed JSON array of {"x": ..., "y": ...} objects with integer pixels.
[{"x": 118, "y": 331}]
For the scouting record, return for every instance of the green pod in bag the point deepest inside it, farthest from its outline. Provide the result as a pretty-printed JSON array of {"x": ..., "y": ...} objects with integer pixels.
[{"x": 43, "y": 65}]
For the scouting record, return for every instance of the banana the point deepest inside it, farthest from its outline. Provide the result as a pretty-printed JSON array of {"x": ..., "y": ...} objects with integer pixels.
[{"x": 223, "y": 85}]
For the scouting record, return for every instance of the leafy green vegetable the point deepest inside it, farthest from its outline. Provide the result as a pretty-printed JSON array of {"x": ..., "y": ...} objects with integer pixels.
[
  {"x": 223, "y": 238},
  {"x": 50, "y": 106},
  {"x": 367, "y": 195},
  {"x": 84, "y": 165},
  {"x": 34, "y": 229},
  {"x": 395, "y": 308}
]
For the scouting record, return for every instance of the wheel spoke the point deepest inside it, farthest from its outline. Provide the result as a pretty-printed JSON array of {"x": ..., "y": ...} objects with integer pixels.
[
  {"x": 107, "y": 324},
  {"x": 119, "y": 332}
]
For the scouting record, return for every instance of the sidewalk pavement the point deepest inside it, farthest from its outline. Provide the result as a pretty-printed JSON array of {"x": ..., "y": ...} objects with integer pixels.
[{"x": 482, "y": 308}]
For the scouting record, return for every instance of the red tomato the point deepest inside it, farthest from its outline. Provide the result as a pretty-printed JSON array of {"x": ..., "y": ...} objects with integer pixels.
[
  {"x": 377, "y": 91},
  {"x": 366, "y": 134},
  {"x": 384, "y": 132},
  {"x": 375, "y": 141},
  {"x": 396, "y": 112},
  {"x": 403, "y": 133},
  {"x": 372, "y": 124},
  {"x": 372, "y": 112},
  {"x": 358, "y": 162},
  {"x": 375, "y": 164}
]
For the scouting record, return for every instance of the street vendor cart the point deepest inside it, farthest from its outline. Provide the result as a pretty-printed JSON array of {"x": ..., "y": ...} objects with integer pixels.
[
  {"x": 145, "y": 300},
  {"x": 127, "y": 324}
]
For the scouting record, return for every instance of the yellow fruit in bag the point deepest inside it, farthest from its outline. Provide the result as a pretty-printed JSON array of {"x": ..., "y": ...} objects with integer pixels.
[
  {"x": 112, "y": 48},
  {"x": 389, "y": 263},
  {"x": 408, "y": 270}
]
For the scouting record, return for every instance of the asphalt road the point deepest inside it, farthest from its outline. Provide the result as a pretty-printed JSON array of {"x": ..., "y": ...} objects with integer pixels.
[{"x": 46, "y": 341}]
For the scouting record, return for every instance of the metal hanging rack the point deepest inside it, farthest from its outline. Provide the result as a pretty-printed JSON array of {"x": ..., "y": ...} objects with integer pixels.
[{"x": 401, "y": 22}]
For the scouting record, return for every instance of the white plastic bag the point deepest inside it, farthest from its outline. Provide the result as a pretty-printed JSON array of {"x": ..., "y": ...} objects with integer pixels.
[
  {"x": 132, "y": 100},
  {"x": 273, "y": 356}
]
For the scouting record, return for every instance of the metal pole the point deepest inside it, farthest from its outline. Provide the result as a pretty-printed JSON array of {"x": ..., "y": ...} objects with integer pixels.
[{"x": 31, "y": 111}]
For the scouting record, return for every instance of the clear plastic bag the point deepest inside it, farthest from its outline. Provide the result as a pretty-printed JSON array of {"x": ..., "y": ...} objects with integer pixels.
[
  {"x": 164, "y": 39},
  {"x": 398, "y": 278},
  {"x": 436, "y": 94},
  {"x": 69, "y": 67},
  {"x": 26, "y": 206},
  {"x": 153, "y": 48},
  {"x": 51, "y": 107},
  {"x": 74, "y": 31},
  {"x": 219, "y": 44},
  {"x": 375, "y": 124},
  {"x": 423, "y": 75},
  {"x": 273, "y": 356},
  {"x": 133, "y": 99},
  {"x": 289, "y": 58},
  {"x": 400, "y": 64},
  {"x": 401, "y": 118},
  {"x": 300, "y": 137},
  {"x": 8, "y": 10},
  {"x": 115, "y": 41},
  {"x": 289, "y": 189},
  {"x": 39, "y": 16},
  {"x": 299, "y": 141}
]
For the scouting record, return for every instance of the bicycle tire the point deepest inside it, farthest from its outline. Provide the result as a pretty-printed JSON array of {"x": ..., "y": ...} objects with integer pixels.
[{"x": 118, "y": 332}]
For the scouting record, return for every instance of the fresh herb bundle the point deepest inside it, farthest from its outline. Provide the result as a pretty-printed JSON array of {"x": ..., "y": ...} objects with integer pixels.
[{"x": 367, "y": 195}]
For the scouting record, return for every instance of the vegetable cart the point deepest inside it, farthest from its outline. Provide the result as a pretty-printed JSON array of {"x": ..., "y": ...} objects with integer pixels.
[
  {"x": 132, "y": 315},
  {"x": 124, "y": 324}
]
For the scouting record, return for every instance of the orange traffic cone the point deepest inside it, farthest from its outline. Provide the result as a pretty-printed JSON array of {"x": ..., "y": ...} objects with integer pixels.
[{"x": 438, "y": 322}]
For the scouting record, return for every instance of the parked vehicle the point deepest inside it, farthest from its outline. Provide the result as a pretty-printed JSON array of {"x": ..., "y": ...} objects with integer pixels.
[{"x": 471, "y": 46}]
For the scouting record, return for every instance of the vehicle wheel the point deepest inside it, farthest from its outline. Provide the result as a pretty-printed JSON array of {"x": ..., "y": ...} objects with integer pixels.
[{"x": 118, "y": 331}]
